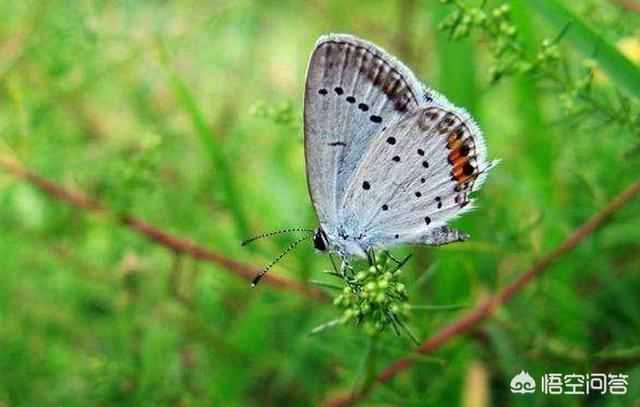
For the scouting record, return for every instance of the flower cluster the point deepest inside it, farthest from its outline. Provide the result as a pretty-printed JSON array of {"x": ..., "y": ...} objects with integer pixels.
[
  {"x": 375, "y": 298},
  {"x": 512, "y": 57}
]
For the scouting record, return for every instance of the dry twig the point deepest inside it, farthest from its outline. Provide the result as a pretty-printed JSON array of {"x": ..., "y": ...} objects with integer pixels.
[
  {"x": 465, "y": 323},
  {"x": 175, "y": 243}
]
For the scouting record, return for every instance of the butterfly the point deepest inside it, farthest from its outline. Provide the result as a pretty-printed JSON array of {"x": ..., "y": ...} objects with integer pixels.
[{"x": 389, "y": 161}]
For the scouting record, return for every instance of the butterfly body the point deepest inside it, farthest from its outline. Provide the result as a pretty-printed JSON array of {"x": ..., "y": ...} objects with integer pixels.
[{"x": 388, "y": 160}]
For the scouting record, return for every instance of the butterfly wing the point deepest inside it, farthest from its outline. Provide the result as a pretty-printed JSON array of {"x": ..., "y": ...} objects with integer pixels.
[
  {"x": 353, "y": 90},
  {"x": 416, "y": 177}
]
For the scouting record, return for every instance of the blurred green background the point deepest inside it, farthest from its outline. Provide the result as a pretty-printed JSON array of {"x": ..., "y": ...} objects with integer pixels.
[{"x": 188, "y": 115}]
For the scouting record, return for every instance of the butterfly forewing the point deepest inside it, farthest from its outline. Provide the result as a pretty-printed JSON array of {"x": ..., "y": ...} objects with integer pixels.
[
  {"x": 354, "y": 90},
  {"x": 419, "y": 173}
]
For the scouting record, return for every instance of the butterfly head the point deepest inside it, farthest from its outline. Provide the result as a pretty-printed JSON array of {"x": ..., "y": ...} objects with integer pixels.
[{"x": 320, "y": 240}]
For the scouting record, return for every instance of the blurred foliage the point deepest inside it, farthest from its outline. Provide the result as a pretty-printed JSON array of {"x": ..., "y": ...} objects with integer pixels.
[{"x": 187, "y": 115}]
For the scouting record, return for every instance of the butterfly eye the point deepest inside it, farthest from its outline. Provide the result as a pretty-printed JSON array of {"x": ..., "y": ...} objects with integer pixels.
[{"x": 320, "y": 240}]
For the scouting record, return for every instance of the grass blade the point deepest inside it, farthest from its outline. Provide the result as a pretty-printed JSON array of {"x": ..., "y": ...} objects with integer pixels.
[
  {"x": 451, "y": 307},
  {"x": 325, "y": 285},
  {"x": 325, "y": 326},
  {"x": 206, "y": 136},
  {"x": 619, "y": 68}
]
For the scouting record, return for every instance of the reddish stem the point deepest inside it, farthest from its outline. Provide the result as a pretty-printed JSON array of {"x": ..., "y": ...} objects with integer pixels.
[
  {"x": 483, "y": 311},
  {"x": 156, "y": 234}
]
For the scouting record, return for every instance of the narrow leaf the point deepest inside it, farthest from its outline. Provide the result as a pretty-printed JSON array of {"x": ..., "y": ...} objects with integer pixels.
[{"x": 591, "y": 44}]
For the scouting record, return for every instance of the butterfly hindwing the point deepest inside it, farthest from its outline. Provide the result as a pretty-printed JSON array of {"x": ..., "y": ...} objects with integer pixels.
[
  {"x": 416, "y": 177},
  {"x": 353, "y": 91}
]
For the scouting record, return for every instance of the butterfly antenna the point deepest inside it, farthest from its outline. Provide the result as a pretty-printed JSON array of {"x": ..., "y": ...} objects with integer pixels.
[
  {"x": 264, "y": 271},
  {"x": 277, "y": 232}
]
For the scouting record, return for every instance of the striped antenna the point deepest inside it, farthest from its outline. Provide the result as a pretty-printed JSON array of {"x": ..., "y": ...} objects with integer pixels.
[
  {"x": 264, "y": 271},
  {"x": 277, "y": 232}
]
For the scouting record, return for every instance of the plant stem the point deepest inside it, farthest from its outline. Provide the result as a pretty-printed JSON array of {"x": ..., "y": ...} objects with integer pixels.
[
  {"x": 153, "y": 233},
  {"x": 485, "y": 310}
]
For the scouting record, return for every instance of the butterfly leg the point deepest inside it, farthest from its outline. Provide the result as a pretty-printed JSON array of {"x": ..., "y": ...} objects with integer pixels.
[
  {"x": 346, "y": 272},
  {"x": 392, "y": 257},
  {"x": 371, "y": 255},
  {"x": 342, "y": 272}
]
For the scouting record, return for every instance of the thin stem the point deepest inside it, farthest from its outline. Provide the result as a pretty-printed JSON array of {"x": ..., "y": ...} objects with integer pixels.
[
  {"x": 153, "y": 233},
  {"x": 451, "y": 307},
  {"x": 549, "y": 73},
  {"x": 485, "y": 310},
  {"x": 360, "y": 376}
]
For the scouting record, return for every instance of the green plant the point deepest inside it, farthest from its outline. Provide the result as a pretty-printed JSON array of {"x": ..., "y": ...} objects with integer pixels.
[{"x": 579, "y": 97}]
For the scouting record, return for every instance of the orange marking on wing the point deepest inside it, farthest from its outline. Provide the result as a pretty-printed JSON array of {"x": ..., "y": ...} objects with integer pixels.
[
  {"x": 461, "y": 168},
  {"x": 454, "y": 155},
  {"x": 453, "y": 143}
]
